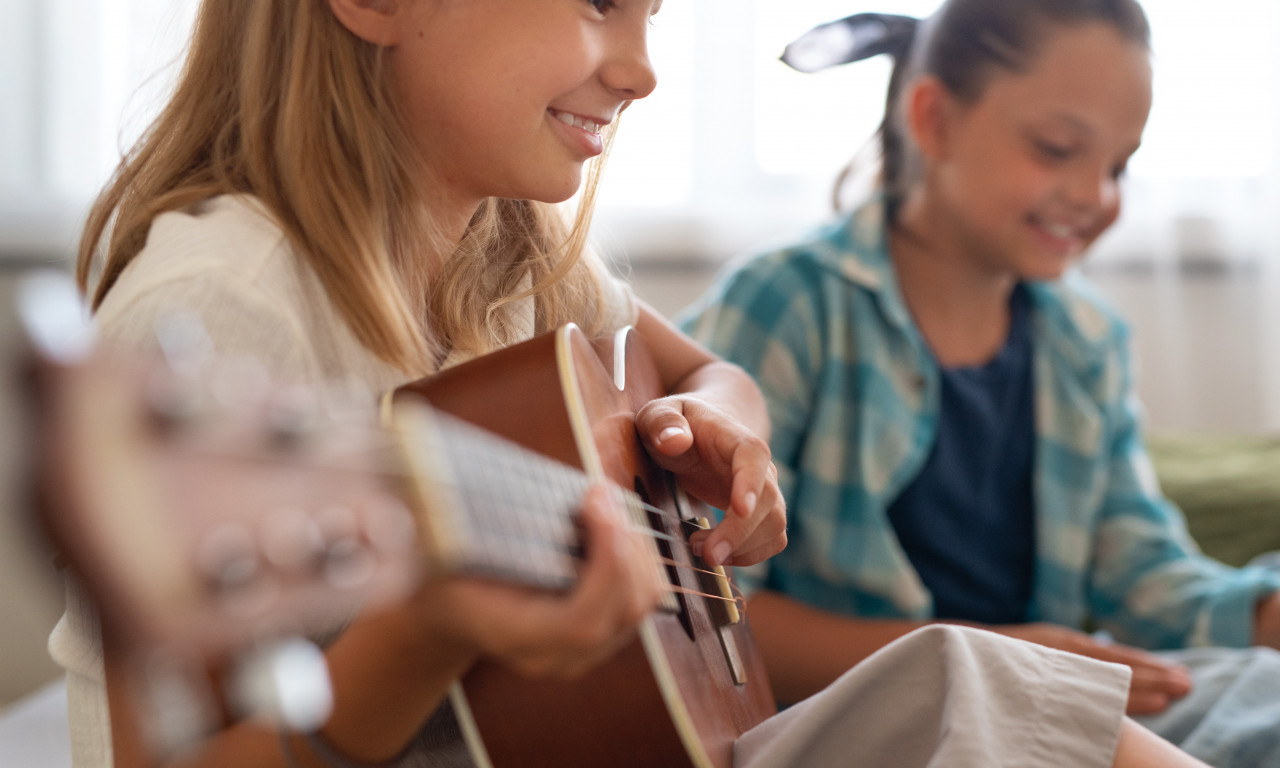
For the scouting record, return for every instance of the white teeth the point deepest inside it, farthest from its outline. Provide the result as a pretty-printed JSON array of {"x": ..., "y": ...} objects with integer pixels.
[
  {"x": 577, "y": 122},
  {"x": 1059, "y": 230}
]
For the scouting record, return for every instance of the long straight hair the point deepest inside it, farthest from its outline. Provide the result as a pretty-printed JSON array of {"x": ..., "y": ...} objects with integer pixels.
[{"x": 278, "y": 100}]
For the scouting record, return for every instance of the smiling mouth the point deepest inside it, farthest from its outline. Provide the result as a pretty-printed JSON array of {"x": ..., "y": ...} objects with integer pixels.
[
  {"x": 1060, "y": 231},
  {"x": 588, "y": 124}
]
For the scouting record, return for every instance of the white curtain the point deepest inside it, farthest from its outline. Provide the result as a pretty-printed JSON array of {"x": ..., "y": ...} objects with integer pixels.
[
  {"x": 751, "y": 145},
  {"x": 78, "y": 79},
  {"x": 734, "y": 150}
]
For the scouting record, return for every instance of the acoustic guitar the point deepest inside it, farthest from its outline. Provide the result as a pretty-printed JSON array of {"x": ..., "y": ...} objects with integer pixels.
[
  {"x": 210, "y": 514},
  {"x": 692, "y": 683}
]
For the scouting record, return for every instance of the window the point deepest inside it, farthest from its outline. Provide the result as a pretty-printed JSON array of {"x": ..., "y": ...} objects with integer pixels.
[
  {"x": 769, "y": 141},
  {"x": 82, "y": 77},
  {"x": 732, "y": 150}
]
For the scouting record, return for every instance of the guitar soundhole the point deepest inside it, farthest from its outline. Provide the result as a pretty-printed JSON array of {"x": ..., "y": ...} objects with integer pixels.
[{"x": 666, "y": 551}]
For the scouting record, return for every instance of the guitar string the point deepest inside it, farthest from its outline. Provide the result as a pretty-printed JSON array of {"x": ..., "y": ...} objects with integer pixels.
[
  {"x": 739, "y": 602},
  {"x": 400, "y": 474},
  {"x": 631, "y": 497},
  {"x": 738, "y": 597}
]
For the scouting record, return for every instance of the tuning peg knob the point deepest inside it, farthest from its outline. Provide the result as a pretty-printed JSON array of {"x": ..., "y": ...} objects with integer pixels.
[{"x": 285, "y": 682}]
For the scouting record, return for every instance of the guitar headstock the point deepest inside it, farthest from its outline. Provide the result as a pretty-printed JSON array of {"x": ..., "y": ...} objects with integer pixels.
[{"x": 206, "y": 509}]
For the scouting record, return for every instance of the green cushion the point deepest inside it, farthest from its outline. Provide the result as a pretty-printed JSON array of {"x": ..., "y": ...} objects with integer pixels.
[{"x": 1229, "y": 488}]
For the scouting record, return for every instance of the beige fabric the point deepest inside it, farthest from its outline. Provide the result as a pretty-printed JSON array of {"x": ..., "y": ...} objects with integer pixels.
[
  {"x": 225, "y": 263},
  {"x": 952, "y": 697}
]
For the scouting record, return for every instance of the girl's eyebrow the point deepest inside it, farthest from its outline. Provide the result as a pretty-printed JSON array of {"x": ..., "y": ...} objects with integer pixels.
[
  {"x": 1075, "y": 121},
  {"x": 1085, "y": 129}
]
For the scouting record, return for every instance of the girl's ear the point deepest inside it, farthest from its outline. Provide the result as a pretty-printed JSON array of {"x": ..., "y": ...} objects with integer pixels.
[
  {"x": 374, "y": 21},
  {"x": 927, "y": 106}
]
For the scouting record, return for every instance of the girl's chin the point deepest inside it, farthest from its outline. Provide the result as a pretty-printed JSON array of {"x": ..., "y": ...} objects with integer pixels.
[
  {"x": 1048, "y": 269},
  {"x": 563, "y": 188}
]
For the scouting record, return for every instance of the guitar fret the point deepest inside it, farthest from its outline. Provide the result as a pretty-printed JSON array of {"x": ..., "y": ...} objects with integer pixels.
[{"x": 518, "y": 507}]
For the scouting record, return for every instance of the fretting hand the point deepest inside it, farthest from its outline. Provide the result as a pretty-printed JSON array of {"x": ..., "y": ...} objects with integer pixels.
[{"x": 543, "y": 634}]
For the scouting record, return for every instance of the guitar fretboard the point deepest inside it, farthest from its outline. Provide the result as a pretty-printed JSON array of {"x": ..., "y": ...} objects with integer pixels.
[{"x": 502, "y": 510}]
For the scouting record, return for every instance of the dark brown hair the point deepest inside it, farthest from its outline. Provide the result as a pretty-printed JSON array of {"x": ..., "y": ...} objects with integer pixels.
[{"x": 966, "y": 41}]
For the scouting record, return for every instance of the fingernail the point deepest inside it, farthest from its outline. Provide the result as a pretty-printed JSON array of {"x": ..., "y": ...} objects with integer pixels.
[
  {"x": 720, "y": 552},
  {"x": 669, "y": 433},
  {"x": 750, "y": 500},
  {"x": 696, "y": 547}
]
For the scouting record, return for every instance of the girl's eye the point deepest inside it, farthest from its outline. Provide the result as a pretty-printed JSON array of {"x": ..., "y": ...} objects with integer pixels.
[{"x": 1053, "y": 151}]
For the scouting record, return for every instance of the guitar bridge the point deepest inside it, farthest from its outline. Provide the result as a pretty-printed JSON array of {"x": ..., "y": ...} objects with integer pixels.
[{"x": 724, "y": 611}]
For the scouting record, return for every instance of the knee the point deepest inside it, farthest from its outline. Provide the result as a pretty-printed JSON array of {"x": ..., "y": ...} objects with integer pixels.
[{"x": 942, "y": 636}]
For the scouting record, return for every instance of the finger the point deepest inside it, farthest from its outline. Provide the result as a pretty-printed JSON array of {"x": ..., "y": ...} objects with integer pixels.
[
  {"x": 1173, "y": 683},
  {"x": 753, "y": 471},
  {"x": 1134, "y": 657},
  {"x": 618, "y": 570},
  {"x": 1174, "y": 679},
  {"x": 697, "y": 540},
  {"x": 616, "y": 588},
  {"x": 769, "y": 536},
  {"x": 742, "y": 515},
  {"x": 758, "y": 554},
  {"x": 1146, "y": 703},
  {"x": 664, "y": 428},
  {"x": 754, "y": 499}
]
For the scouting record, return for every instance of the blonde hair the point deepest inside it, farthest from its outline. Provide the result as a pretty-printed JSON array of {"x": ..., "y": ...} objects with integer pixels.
[{"x": 277, "y": 99}]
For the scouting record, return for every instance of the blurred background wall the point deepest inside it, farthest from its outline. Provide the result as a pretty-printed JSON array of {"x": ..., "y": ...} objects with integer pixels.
[{"x": 732, "y": 152}]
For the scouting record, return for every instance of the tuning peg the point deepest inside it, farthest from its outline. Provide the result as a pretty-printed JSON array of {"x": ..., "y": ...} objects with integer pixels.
[
  {"x": 293, "y": 415},
  {"x": 172, "y": 403},
  {"x": 227, "y": 557},
  {"x": 285, "y": 682},
  {"x": 389, "y": 525},
  {"x": 348, "y": 561},
  {"x": 185, "y": 343},
  {"x": 241, "y": 383},
  {"x": 55, "y": 318},
  {"x": 180, "y": 708},
  {"x": 292, "y": 540}
]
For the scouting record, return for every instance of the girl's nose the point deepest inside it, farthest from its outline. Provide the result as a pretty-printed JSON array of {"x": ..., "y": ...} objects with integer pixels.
[
  {"x": 1093, "y": 190},
  {"x": 628, "y": 72}
]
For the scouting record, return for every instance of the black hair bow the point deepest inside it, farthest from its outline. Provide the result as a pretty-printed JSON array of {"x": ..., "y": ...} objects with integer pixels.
[{"x": 857, "y": 37}]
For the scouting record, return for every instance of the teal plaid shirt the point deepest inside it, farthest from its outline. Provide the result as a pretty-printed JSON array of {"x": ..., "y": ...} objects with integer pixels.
[{"x": 853, "y": 394}]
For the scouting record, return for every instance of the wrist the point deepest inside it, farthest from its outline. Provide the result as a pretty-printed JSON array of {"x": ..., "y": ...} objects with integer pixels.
[
  {"x": 1266, "y": 621},
  {"x": 429, "y": 641}
]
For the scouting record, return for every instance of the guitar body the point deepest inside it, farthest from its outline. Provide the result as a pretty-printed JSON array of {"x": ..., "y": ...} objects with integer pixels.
[{"x": 691, "y": 682}]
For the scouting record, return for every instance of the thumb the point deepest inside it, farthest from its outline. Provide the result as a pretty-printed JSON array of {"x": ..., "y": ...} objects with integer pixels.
[{"x": 663, "y": 427}]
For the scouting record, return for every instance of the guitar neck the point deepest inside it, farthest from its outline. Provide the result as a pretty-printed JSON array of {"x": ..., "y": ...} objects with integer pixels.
[
  {"x": 488, "y": 506},
  {"x": 493, "y": 508}
]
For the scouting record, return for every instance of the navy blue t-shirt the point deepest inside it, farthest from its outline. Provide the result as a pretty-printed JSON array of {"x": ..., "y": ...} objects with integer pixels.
[{"x": 966, "y": 521}]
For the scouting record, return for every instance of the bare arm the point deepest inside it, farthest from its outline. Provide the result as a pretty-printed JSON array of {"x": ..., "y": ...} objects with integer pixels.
[
  {"x": 1266, "y": 625},
  {"x": 806, "y": 649},
  {"x": 1140, "y": 748}
]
